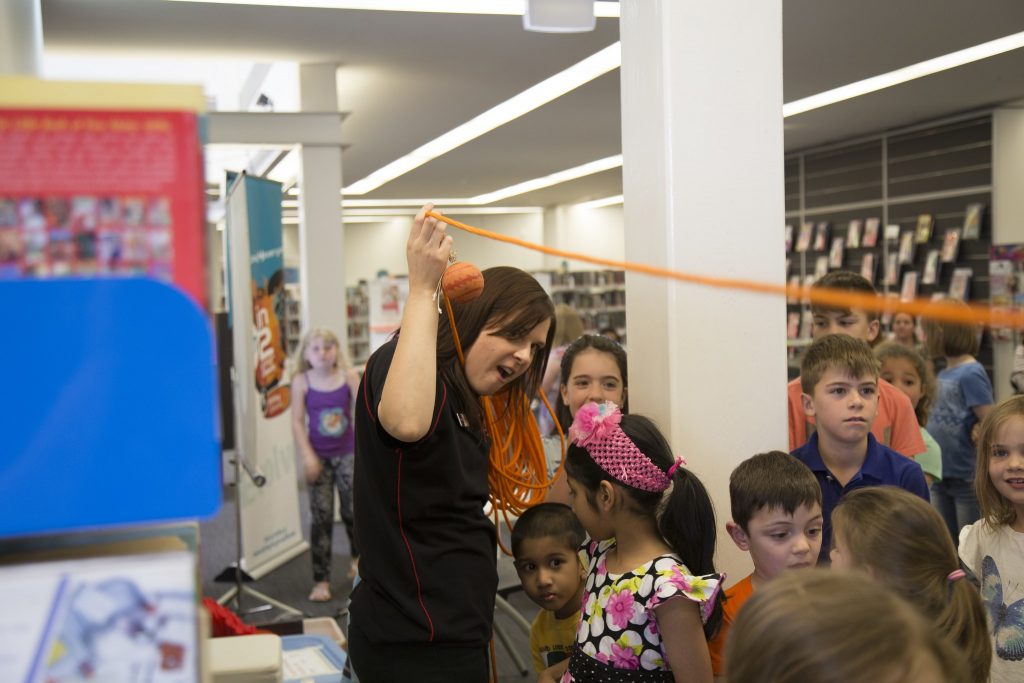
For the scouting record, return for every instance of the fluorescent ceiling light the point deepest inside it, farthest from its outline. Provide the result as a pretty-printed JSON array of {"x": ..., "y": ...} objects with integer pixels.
[
  {"x": 507, "y": 7},
  {"x": 599, "y": 203},
  {"x": 469, "y": 210},
  {"x": 549, "y": 180},
  {"x": 578, "y": 74},
  {"x": 357, "y": 203},
  {"x": 907, "y": 73}
]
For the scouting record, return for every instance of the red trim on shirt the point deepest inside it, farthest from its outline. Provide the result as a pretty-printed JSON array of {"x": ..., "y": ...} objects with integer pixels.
[{"x": 408, "y": 548}]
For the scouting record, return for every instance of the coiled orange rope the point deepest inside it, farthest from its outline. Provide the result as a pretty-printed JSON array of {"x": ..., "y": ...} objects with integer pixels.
[
  {"x": 518, "y": 468},
  {"x": 1012, "y": 317}
]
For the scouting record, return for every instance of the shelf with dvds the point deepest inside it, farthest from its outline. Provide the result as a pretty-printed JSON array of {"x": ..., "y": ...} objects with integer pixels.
[
  {"x": 907, "y": 209},
  {"x": 599, "y": 296},
  {"x": 292, "y": 317},
  {"x": 357, "y": 302}
]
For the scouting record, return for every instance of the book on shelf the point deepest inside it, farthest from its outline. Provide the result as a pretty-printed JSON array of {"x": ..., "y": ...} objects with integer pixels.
[
  {"x": 803, "y": 242},
  {"x": 792, "y": 325},
  {"x": 892, "y": 232},
  {"x": 867, "y": 267},
  {"x": 806, "y": 325},
  {"x": 972, "y": 221},
  {"x": 892, "y": 271},
  {"x": 820, "y": 237},
  {"x": 820, "y": 267},
  {"x": 906, "y": 252},
  {"x": 794, "y": 284},
  {"x": 789, "y": 237},
  {"x": 950, "y": 245},
  {"x": 931, "y": 268},
  {"x": 960, "y": 284},
  {"x": 908, "y": 292},
  {"x": 853, "y": 235},
  {"x": 835, "y": 254},
  {"x": 923, "y": 234},
  {"x": 886, "y": 318},
  {"x": 871, "y": 227}
]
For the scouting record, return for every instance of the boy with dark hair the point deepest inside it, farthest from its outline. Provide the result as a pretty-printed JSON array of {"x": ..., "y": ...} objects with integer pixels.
[
  {"x": 545, "y": 544},
  {"x": 776, "y": 517},
  {"x": 896, "y": 425},
  {"x": 839, "y": 378}
]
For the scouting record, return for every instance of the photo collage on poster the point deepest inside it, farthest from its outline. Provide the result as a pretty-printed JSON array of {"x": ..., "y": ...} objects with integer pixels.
[{"x": 86, "y": 235}]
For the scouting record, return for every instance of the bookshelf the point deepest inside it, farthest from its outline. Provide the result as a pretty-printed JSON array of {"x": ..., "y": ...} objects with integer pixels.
[
  {"x": 357, "y": 301},
  {"x": 599, "y": 296},
  {"x": 292, "y": 318}
]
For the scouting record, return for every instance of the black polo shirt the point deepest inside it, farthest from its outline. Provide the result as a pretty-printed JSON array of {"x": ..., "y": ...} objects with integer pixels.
[{"x": 428, "y": 559}]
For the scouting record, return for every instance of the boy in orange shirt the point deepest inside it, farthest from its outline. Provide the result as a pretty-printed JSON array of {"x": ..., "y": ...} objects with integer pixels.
[
  {"x": 896, "y": 424},
  {"x": 776, "y": 517}
]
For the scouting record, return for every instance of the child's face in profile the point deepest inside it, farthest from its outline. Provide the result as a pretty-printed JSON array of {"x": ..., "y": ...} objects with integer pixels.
[
  {"x": 840, "y": 553},
  {"x": 777, "y": 540},
  {"x": 852, "y": 322},
  {"x": 843, "y": 406},
  {"x": 551, "y": 574}
]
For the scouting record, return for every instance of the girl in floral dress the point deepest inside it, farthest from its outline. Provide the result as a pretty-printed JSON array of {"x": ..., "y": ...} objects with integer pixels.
[{"x": 649, "y": 602}]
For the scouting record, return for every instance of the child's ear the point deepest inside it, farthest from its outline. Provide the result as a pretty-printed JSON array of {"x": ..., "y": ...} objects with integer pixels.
[
  {"x": 564, "y": 391},
  {"x": 605, "y": 497},
  {"x": 738, "y": 536},
  {"x": 808, "y": 404}
]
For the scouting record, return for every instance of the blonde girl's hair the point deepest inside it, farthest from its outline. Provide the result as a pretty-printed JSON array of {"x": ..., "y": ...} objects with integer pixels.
[
  {"x": 903, "y": 543},
  {"x": 322, "y": 333},
  {"x": 996, "y": 510},
  {"x": 888, "y": 350},
  {"x": 833, "y": 627},
  {"x": 568, "y": 325}
]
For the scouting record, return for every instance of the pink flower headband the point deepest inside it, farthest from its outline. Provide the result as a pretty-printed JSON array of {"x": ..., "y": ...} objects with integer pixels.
[{"x": 596, "y": 429}]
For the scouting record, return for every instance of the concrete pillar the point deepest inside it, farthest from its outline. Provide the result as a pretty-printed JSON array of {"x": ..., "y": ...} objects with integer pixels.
[
  {"x": 321, "y": 235},
  {"x": 21, "y": 37},
  {"x": 703, "y": 181},
  {"x": 1007, "y": 215}
]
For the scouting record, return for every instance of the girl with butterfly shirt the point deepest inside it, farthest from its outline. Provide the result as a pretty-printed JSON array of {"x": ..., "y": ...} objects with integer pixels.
[
  {"x": 902, "y": 543},
  {"x": 993, "y": 547}
]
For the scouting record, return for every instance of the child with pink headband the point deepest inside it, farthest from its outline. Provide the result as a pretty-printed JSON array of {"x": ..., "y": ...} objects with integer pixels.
[{"x": 650, "y": 598}]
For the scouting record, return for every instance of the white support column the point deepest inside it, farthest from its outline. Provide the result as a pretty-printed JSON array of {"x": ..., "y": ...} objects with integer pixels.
[
  {"x": 1007, "y": 214},
  {"x": 703, "y": 181},
  {"x": 21, "y": 37},
  {"x": 321, "y": 235}
]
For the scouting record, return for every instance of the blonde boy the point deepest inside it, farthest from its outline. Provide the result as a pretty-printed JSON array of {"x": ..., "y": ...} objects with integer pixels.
[
  {"x": 776, "y": 517},
  {"x": 839, "y": 378},
  {"x": 896, "y": 424}
]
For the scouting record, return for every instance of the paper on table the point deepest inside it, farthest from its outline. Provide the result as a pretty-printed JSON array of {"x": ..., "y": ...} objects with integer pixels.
[{"x": 306, "y": 661}]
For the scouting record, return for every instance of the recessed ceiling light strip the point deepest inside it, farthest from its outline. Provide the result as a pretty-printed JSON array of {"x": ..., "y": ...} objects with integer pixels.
[{"x": 602, "y": 9}]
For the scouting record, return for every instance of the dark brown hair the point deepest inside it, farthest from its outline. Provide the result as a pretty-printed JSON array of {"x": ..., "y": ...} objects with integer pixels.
[
  {"x": 771, "y": 480},
  {"x": 948, "y": 338},
  {"x": 844, "y": 281},
  {"x": 512, "y": 304}
]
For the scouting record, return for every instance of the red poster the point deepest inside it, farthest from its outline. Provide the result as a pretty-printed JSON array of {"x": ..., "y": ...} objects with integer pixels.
[{"x": 102, "y": 193}]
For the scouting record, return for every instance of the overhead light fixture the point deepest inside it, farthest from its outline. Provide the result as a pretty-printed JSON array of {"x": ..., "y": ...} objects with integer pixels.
[
  {"x": 578, "y": 74},
  {"x": 466, "y": 211},
  {"x": 357, "y": 203},
  {"x": 907, "y": 73},
  {"x": 559, "y": 16},
  {"x": 506, "y": 7},
  {"x": 589, "y": 168},
  {"x": 599, "y": 203}
]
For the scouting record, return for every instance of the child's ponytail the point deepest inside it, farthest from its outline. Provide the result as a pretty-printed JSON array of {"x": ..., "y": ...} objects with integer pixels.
[
  {"x": 963, "y": 621},
  {"x": 687, "y": 522}
]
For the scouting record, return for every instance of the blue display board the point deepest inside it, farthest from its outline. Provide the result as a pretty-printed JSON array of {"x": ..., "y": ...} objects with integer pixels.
[{"x": 108, "y": 416}]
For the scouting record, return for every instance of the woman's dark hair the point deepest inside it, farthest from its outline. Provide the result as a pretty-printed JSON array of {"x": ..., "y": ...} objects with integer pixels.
[
  {"x": 598, "y": 343},
  {"x": 687, "y": 521},
  {"x": 512, "y": 303}
]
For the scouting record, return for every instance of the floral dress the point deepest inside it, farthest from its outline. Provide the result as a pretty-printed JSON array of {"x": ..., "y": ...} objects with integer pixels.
[{"x": 617, "y": 638}]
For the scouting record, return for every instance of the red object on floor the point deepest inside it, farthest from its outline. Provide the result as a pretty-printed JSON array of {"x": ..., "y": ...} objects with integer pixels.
[{"x": 227, "y": 623}]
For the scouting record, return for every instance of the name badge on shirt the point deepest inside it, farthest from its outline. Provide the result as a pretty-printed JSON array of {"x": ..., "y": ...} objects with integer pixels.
[{"x": 463, "y": 422}]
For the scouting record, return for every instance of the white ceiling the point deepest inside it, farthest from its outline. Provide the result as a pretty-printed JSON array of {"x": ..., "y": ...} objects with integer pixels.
[{"x": 405, "y": 78}]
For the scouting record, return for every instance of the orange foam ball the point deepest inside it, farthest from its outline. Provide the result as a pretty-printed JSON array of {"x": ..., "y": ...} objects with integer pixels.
[{"x": 462, "y": 282}]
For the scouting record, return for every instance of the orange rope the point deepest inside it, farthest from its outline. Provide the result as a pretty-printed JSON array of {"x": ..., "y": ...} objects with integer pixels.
[
  {"x": 517, "y": 476},
  {"x": 938, "y": 310}
]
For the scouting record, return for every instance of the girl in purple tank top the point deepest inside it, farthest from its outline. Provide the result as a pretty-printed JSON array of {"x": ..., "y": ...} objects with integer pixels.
[{"x": 323, "y": 391}]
